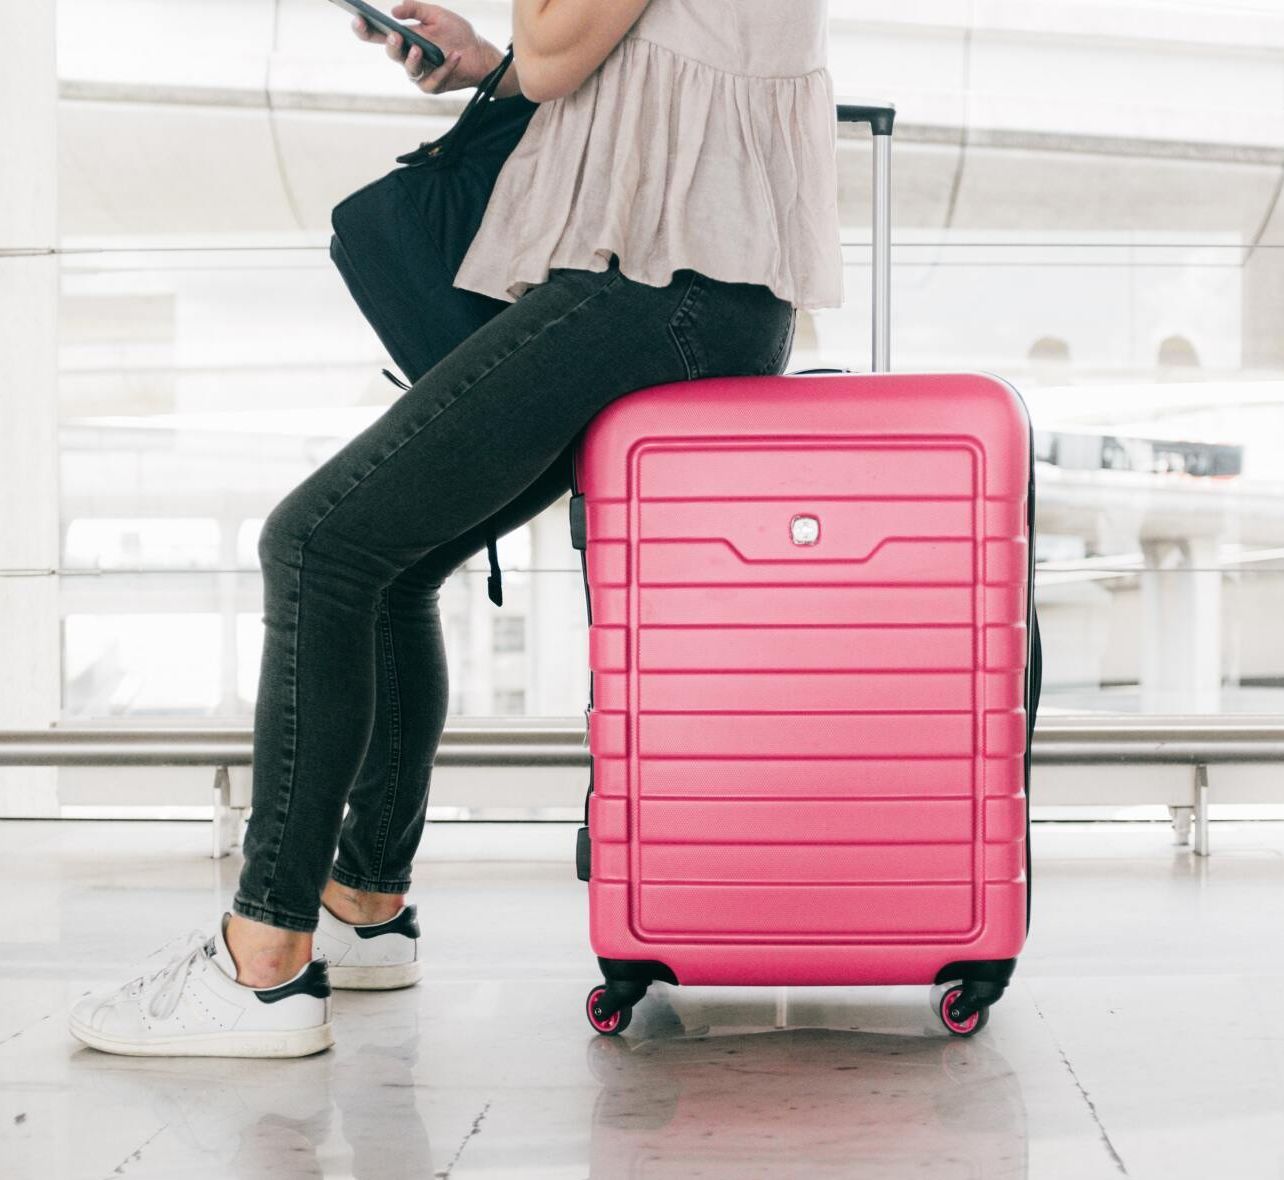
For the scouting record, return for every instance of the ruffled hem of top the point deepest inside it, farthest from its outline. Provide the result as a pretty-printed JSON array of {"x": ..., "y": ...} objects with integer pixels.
[{"x": 744, "y": 188}]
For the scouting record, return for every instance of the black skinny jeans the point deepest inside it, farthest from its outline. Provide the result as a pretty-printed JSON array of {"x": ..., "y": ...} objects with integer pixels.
[{"x": 352, "y": 691}]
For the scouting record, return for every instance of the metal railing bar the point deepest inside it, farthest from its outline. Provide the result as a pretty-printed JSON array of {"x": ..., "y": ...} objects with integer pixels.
[{"x": 1058, "y": 741}]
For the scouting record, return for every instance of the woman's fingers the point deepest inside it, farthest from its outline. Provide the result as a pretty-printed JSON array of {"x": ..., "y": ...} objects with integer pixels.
[
  {"x": 392, "y": 46},
  {"x": 428, "y": 80},
  {"x": 411, "y": 10},
  {"x": 439, "y": 79},
  {"x": 364, "y": 31}
]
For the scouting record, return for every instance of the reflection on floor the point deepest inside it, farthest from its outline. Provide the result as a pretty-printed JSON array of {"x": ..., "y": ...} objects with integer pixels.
[{"x": 1140, "y": 1038}]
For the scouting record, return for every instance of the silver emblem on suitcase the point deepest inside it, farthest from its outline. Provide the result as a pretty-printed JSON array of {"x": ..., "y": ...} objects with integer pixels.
[{"x": 804, "y": 530}]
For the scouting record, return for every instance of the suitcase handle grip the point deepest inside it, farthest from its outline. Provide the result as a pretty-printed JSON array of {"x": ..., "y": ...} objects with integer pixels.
[{"x": 881, "y": 119}]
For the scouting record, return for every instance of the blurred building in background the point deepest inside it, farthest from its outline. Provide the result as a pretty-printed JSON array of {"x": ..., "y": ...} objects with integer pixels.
[{"x": 1087, "y": 202}]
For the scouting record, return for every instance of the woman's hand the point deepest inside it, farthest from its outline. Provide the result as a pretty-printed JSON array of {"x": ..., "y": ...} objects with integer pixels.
[{"x": 469, "y": 58}]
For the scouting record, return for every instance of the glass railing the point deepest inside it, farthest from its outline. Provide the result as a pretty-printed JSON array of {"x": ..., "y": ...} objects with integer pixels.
[{"x": 198, "y": 386}]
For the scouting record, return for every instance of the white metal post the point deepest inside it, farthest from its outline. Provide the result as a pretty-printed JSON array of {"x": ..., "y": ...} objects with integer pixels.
[{"x": 1201, "y": 810}]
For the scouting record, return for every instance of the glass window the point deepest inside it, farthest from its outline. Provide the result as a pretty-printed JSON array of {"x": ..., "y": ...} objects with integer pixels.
[
  {"x": 510, "y": 702},
  {"x": 1118, "y": 255},
  {"x": 509, "y": 634},
  {"x": 160, "y": 544},
  {"x": 153, "y": 663}
]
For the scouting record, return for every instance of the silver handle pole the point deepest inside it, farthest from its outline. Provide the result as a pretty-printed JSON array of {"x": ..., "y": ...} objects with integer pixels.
[
  {"x": 881, "y": 118},
  {"x": 882, "y": 251}
]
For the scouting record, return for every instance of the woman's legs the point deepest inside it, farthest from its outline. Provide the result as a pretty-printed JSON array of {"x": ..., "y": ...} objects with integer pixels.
[
  {"x": 468, "y": 438},
  {"x": 388, "y": 800}
]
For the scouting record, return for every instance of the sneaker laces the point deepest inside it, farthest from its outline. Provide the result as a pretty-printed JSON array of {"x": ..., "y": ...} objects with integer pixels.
[{"x": 165, "y": 983}]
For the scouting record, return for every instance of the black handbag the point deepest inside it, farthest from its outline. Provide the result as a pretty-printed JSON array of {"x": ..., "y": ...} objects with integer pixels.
[{"x": 399, "y": 241}]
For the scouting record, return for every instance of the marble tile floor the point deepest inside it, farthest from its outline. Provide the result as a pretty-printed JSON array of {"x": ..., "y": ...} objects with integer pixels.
[{"x": 1143, "y": 1035}]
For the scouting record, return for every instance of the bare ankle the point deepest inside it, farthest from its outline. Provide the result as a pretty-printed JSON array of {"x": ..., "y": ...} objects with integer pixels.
[
  {"x": 358, "y": 907},
  {"x": 265, "y": 955}
]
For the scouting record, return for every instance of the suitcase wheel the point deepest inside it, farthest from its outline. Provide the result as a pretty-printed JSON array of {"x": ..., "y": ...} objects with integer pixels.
[
  {"x": 959, "y": 1018},
  {"x": 607, "y": 1026}
]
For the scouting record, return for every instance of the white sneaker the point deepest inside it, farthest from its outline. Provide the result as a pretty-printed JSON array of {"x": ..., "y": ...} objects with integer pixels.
[
  {"x": 193, "y": 1007},
  {"x": 371, "y": 957}
]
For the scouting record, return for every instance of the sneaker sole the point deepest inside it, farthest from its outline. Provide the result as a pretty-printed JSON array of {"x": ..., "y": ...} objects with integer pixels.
[
  {"x": 293, "y": 1043},
  {"x": 375, "y": 979}
]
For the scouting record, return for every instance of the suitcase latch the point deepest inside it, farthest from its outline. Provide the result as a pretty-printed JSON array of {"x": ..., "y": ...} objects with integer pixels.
[{"x": 804, "y": 530}]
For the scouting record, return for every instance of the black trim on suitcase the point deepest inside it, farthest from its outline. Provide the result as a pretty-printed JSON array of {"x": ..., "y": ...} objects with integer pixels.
[
  {"x": 984, "y": 982},
  {"x": 1033, "y": 668},
  {"x": 627, "y": 981},
  {"x": 1033, "y": 683},
  {"x": 579, "y": 539}
]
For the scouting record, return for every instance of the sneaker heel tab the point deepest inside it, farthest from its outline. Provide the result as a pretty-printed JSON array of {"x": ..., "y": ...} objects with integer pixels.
[
  {"x": 405, "y": 923},
  {"x": 313, "y": 980}
]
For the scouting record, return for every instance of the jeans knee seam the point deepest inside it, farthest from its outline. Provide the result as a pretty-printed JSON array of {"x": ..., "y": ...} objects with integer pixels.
[{"x": 464, "y": 387}]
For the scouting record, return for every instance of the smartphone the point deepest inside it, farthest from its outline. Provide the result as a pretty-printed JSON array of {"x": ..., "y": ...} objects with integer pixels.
[{"x": 383, "y": 23}]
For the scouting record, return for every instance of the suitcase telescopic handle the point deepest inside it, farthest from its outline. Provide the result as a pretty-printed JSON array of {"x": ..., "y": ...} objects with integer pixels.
[{"x": 881, "y": 120}]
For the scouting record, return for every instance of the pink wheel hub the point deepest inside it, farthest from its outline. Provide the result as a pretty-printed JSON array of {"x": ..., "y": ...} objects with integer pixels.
[
  {"x": 611, "y": 1023},
  {"x": 957, "y": 1026}
]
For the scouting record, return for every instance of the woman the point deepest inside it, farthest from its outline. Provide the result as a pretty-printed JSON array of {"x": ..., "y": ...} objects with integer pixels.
[{"x": 671, "y": 205}]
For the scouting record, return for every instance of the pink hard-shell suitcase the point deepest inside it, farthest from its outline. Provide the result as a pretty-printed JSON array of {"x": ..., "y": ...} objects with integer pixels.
[{"x": 812, "y": 686}]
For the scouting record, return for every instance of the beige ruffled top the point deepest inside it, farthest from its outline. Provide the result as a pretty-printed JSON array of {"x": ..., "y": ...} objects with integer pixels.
[{"x": 706, "y": 139}]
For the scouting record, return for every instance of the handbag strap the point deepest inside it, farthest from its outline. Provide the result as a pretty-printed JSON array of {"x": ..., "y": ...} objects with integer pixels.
[
  {"x": 437, "y": 149},
  {"x": 446, "y": 143},
  {"x": 489, "y": 84},
  {"x": 493, "y": 583}
]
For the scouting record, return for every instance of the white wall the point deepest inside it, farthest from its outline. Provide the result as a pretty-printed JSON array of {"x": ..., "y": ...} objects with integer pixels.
[{"x": 30, "y": 687}]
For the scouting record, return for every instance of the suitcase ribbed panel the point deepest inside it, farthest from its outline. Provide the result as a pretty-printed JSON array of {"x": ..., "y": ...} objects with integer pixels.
[{"x": 807, "y": 743}]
